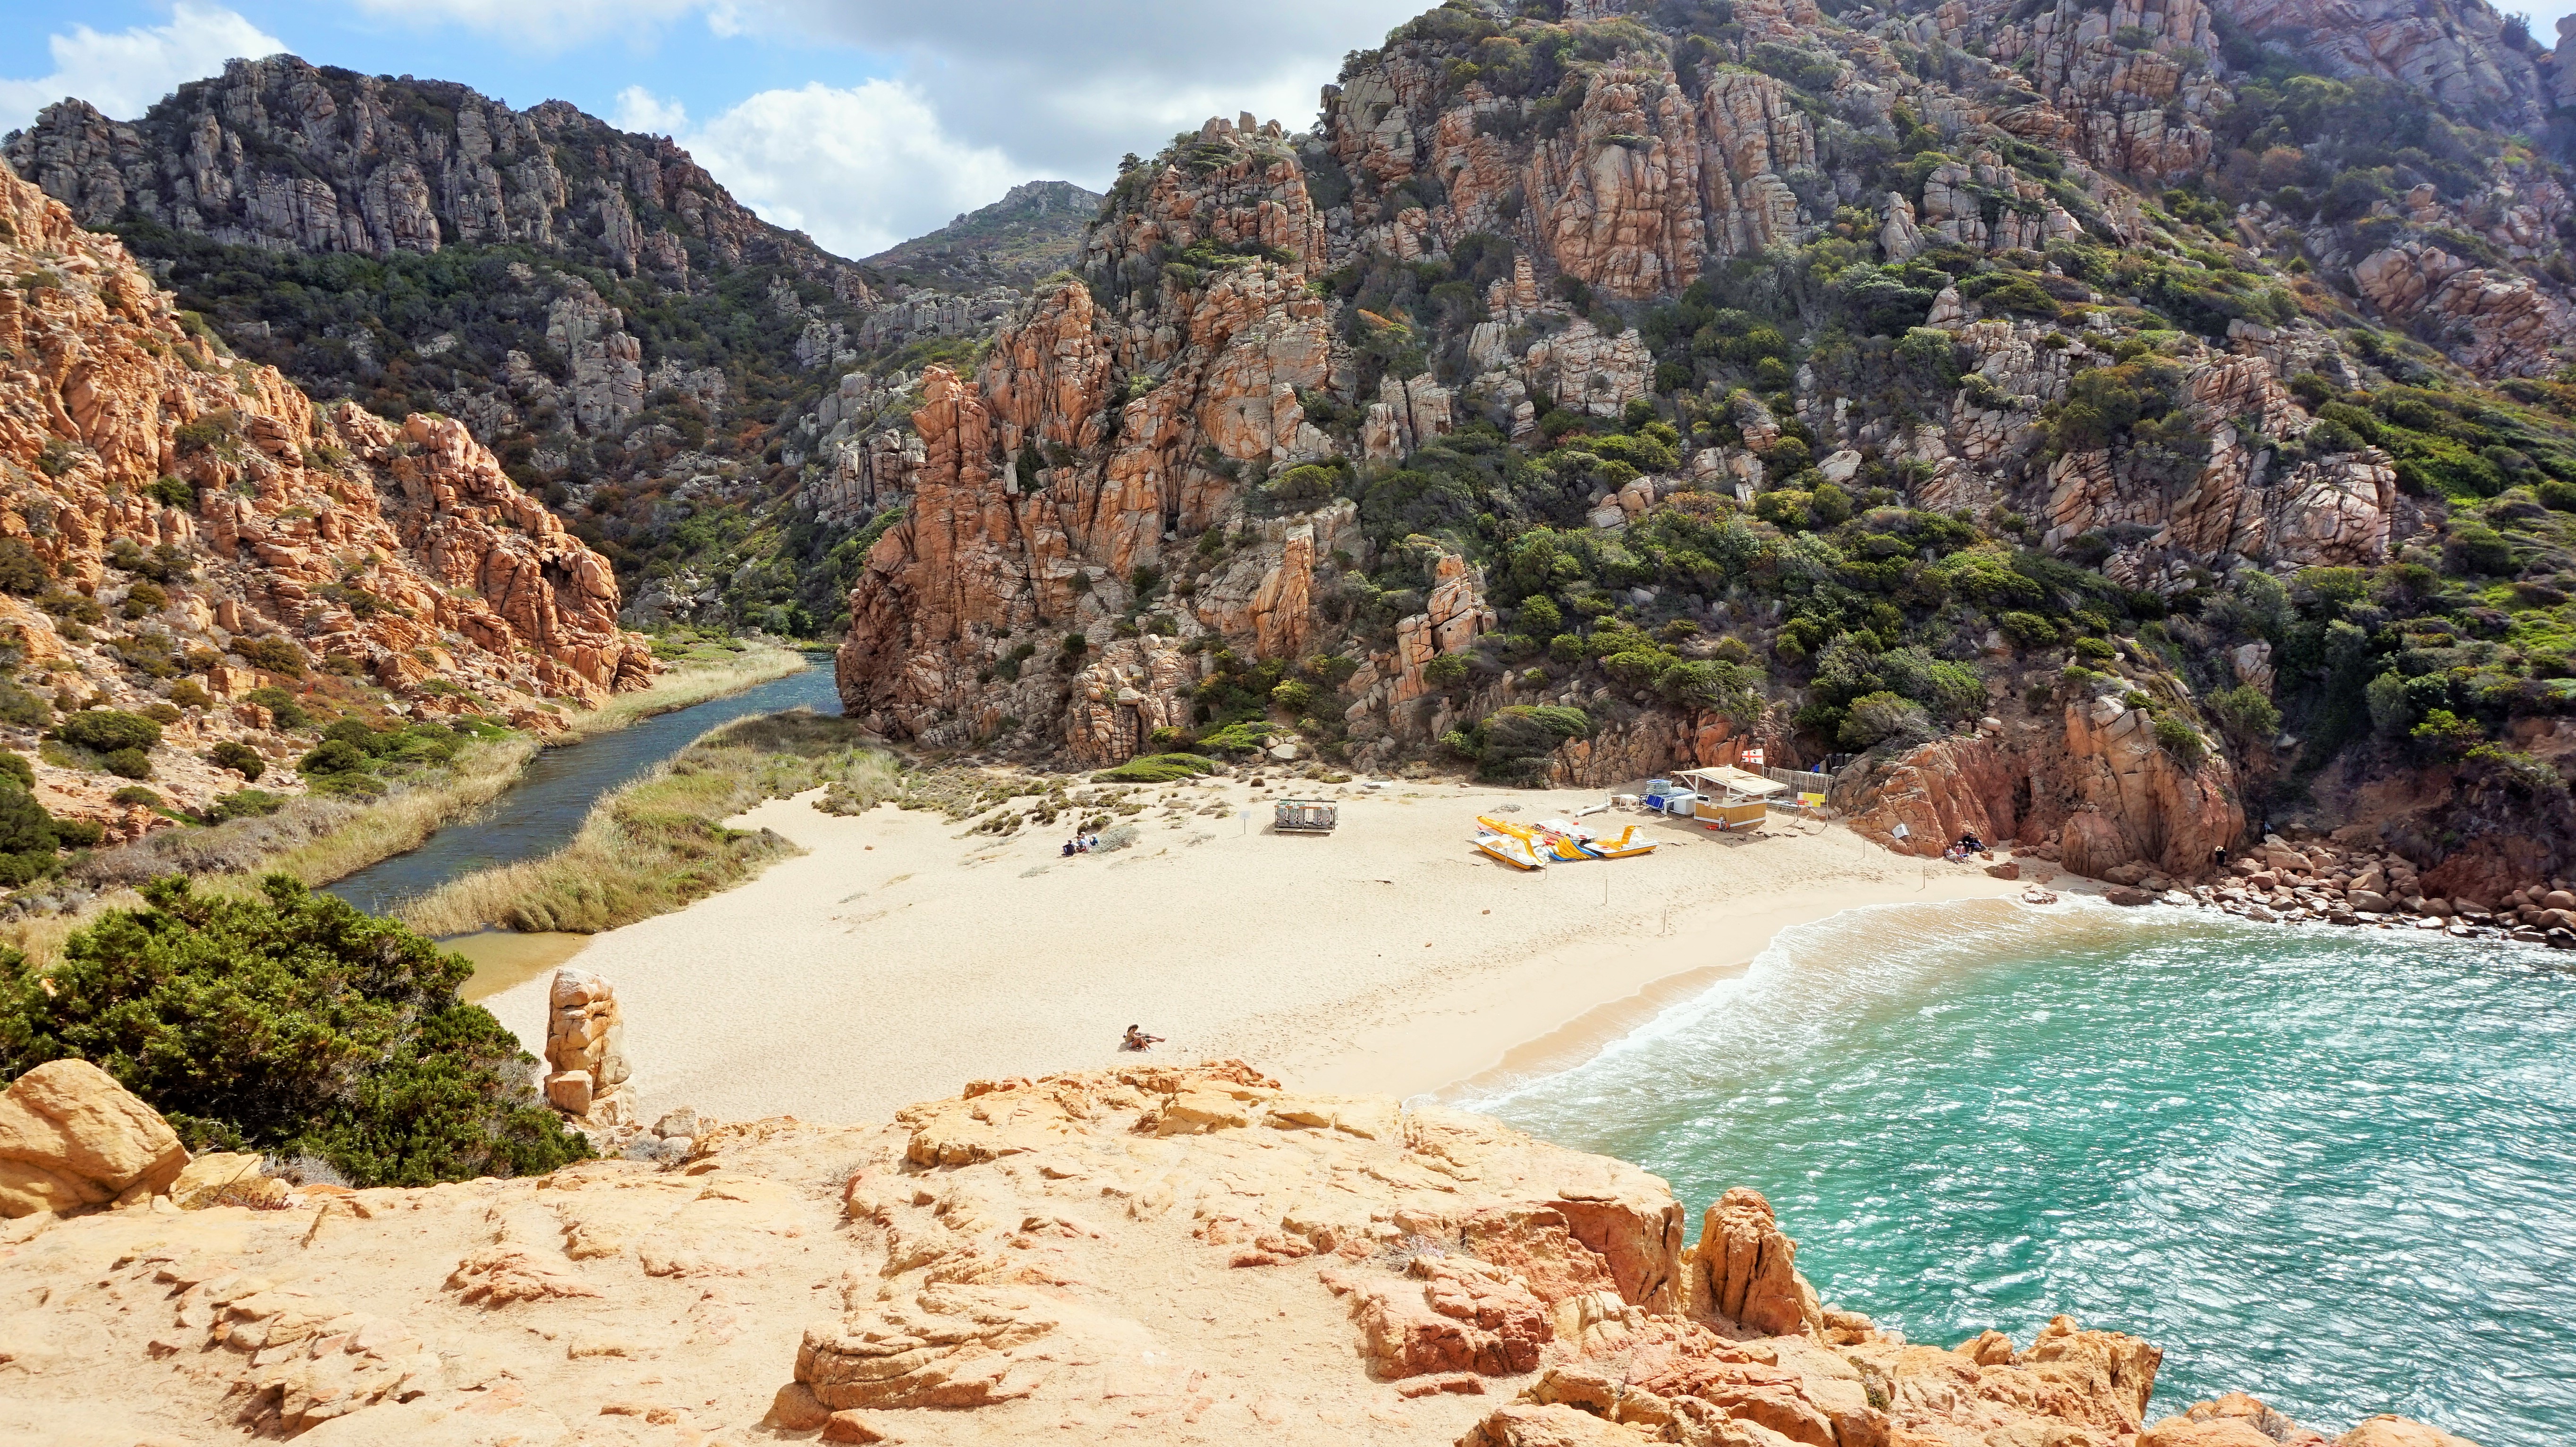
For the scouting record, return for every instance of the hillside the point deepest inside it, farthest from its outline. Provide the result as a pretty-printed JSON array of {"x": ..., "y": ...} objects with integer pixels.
[
  {"x": 590, "y": 304},
  {"x": 1034, "y": 230},
  {"x": 2142, "y": 425},
  {"x": 201, "y": 568}
]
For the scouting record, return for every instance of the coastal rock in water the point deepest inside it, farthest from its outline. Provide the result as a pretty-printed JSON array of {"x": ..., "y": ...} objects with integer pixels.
[
  {"x": 70, "y": 1136},
  {"x": 1744, "y": 1270},
  {"x": 586, "y": 1050}
]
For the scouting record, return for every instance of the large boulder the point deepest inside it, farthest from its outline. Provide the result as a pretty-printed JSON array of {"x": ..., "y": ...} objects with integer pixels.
[
  {"x": 71, "y": 1136},
  {"x": 586, "y": 1050}
]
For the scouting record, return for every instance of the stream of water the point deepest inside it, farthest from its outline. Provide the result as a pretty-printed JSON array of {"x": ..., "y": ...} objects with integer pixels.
[
  {"x": 544, "y": 809},
  {"x": 2330, "y": 1167}
]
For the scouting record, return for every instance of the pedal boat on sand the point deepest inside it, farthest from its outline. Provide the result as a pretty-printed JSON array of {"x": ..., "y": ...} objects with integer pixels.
[
  {"x": 1512, "y": 848},
  {"x": 1595, "y": 845}
]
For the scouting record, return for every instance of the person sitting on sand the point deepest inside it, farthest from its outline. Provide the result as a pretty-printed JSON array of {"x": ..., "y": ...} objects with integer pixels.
[
  {"x": 1137, "y": 1039},
  {"x": 1068, "y": 849}
]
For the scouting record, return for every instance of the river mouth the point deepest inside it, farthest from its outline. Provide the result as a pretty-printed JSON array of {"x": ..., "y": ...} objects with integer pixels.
[{"x": 2325, "y": 1166}]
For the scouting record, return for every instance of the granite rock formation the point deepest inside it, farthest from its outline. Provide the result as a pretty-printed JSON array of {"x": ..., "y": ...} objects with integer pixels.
[
  {"x": 245, "y": 536},
  {"x": 586, "y": 1051},
  {"x": 1169, "y": 1253},
  {"x": 590, "y": 303},
  {"x": 70, "y": 1136}
]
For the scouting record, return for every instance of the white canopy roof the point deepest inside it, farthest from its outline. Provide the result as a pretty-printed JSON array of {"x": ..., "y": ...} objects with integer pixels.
[{"x": 1736, "y": 781}]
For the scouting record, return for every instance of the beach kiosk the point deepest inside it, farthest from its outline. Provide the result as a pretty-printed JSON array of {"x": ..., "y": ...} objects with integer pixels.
[{"x": 1732, "y": 798}]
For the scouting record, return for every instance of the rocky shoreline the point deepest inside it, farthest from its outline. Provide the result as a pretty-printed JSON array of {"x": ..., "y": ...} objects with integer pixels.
[{"x": 2319, "y": 882}]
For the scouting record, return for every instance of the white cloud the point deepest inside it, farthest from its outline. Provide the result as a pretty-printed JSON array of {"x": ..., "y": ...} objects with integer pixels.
[
  {"x": 1065, "y": 88},
  {"x": 537, "y": 25},
  {"x": 641, "y": 111},
  {"x": 858, "y": 168},
  {"x": 124, "y": 73},
  {"x": 1060, "y": 88}
]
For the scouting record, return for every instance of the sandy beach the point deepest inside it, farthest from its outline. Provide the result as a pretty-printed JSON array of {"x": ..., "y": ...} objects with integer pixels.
[{"x": 902, "y": 955}]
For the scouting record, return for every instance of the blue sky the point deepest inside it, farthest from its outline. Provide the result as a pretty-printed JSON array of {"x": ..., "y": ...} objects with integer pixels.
[{"x": 861, "y": 121}]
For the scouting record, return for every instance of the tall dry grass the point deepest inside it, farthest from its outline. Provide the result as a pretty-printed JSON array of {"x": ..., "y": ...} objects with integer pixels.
[
  {"x": 660, "y": 843},
  {"x": 708, "y": 673},
  {"x": 318, "y": 840}
]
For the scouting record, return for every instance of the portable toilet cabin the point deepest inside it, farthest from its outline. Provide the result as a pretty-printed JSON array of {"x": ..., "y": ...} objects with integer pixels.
[{"x": 1736, "y": 798}]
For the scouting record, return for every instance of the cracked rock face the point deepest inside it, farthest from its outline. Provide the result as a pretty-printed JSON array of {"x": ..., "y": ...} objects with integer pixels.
[
  {"x": 402, "y": 549},
  {"x": 1170, "y": 1253}
]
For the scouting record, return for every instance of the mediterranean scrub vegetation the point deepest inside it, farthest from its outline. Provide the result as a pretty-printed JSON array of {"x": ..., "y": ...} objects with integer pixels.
[
  {"x": 1842, "y": 606},
  {"x": 289, "y": 1022}
]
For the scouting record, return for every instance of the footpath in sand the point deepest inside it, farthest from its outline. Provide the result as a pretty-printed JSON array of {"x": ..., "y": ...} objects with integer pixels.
[{"x": 903, "y": 956}]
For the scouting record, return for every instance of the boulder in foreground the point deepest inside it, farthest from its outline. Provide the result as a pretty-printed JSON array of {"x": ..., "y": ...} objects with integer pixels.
[{"x": 70, "y": 1136}]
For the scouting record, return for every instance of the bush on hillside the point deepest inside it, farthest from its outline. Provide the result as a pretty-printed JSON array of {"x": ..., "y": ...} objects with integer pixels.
[
  {"x": 107, "y": 730},
  {"x": 290, "y": 1023}
]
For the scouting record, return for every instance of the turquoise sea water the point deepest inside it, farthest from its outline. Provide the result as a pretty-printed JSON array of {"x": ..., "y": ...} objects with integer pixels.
[{"x": 2334, "y": 1169}]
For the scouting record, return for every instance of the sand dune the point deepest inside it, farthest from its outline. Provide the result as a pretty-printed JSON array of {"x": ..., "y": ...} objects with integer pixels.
[{"x": 903, "y": 956}]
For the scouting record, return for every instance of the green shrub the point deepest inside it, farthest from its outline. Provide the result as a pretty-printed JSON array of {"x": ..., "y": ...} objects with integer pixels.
[
  {"x": 2245, "y": 714},
  {"x": 1238, "y": 738},
  {"x": 21, "y": 570},
  {"x": 2180, "y": 739},
  {"x": 1155, "y": 769},
  {"x": 29, "y": 838},
  {"x": 333, "y": 756},
  {"x": 137, "y": 794},
  {"x": 2558, "y": 496},
  {"x": 172, "y": 492},
  {"x": 2096, "y": 648},
  {"x": 128, "y": 763},
  {"x": 2473, "y": 547},
  {"x": 1512, "y": 745},
  {"x": 245, "y": 804},
  {"x": 107, "y": 730},
  {"x": 1883, "y": 717},
  {"x": 272, "y": 653},
  {"x": 2446, "y": 734},
  {"x": 15, "y": 768},
  {"x": 281, "y": 706},
  {"x": 239, "y": 757},
  {"x": 1293, "y": 695},
  {"x": 1446, "y": 671},
  {"x": 290, "y": 1023},
  {"x": 2029, "y": 630}
]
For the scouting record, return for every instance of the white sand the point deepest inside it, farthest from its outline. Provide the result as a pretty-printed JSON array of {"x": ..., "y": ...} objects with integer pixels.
[{"x": 902, "y": 956}]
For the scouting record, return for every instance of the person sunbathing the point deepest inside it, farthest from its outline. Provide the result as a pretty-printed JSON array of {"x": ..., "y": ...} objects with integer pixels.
[{"x": 1137, "y": 1039}]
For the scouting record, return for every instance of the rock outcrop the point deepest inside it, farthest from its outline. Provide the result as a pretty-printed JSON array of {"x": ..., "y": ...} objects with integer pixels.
[
  {"x": 1170, "y": 1253},
  {"x": 233, "y": 519},
  {"x": 586, "y": 1051},
  {"x": 281, "y": 153},
  {"x": 2510, "y": 326},
  {"x": 2093, "y": 780},
  {"x": 70, "y": 1136},
  {"x": 1050, "y": 484}
]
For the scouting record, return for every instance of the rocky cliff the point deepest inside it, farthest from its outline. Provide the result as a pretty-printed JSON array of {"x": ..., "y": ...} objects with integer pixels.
[
  {"x": 590, "y": 303},
  {"x": 1162, "y": 1253},
  {"x": 181, "y": 529},
  {"x": 1602, "y": 388}
]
